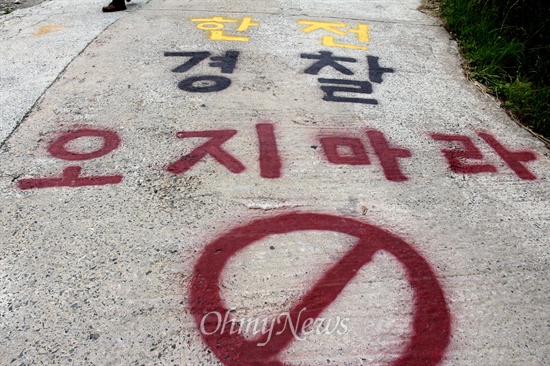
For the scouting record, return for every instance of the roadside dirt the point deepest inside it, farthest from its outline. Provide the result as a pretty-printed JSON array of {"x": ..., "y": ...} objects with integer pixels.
[
  {"x": 430, "y": 7},
  {"x": 7, "y": 6}
]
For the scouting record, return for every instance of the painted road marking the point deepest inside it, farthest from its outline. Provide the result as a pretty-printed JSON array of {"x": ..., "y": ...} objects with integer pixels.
[
  {"x": 338, "y": 149},
  {"x": 215, "y": 26},
  {"x": 71, "y": 175},
  {"x": 431, "y": 320},
  {"x": 362, "y": 32}
]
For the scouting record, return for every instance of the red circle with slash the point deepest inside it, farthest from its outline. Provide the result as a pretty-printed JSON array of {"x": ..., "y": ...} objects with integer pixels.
[{"x": 431, "y": 321}]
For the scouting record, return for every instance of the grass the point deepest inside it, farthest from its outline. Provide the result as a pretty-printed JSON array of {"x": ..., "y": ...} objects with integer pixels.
[{"x": 507, "y": 47}]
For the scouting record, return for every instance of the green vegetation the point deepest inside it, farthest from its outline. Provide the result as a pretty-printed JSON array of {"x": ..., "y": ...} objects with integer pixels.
[{"x": 507, "y": 46}]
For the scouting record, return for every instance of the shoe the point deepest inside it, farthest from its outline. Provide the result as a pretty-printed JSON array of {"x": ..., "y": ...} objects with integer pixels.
[{"x": 115, "y": 5}]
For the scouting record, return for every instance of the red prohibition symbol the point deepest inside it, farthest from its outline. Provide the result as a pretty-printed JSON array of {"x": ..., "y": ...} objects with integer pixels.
[{"x": 431, "y": 320}]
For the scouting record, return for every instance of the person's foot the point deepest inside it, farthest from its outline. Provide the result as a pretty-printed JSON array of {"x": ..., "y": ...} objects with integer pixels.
[{"x": 115, "y": 5}]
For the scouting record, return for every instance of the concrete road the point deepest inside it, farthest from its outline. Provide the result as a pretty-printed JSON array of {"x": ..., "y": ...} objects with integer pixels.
[{"x": 262, "y": 182}]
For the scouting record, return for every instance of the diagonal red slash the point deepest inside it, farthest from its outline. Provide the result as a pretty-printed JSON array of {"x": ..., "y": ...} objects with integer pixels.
[{"x": 431, "y": 323}]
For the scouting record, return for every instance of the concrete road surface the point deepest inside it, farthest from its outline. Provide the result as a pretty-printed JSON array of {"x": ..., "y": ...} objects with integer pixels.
[{"x": 284, "y": 182}]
